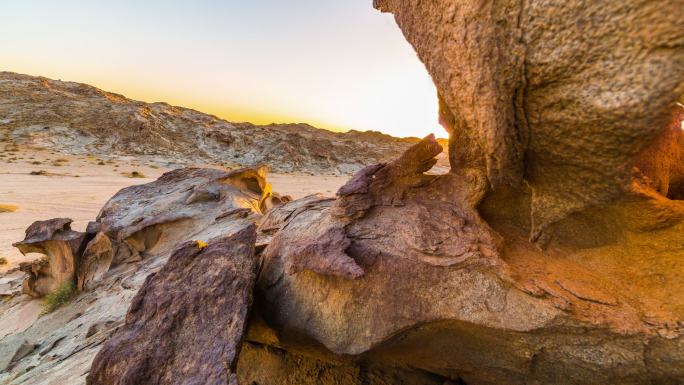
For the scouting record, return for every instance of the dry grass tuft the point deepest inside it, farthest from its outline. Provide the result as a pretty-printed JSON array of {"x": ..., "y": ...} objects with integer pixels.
[
  {"x": 134, "y": 174},
  {"x": 8, "y": 208}
]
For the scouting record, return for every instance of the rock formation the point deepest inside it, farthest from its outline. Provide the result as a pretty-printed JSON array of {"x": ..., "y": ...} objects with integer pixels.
[
  {"x": 133, "y": 236},
  {"x": 202, "y": 203},
  {"x": 551, "y": 253},
  {"x": 563, "y": 96},
  {"x": 186, "y": 323},
  {"x": 61, "y": 246}
]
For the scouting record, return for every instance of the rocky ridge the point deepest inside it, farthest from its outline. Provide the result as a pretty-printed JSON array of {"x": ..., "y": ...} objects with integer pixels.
[{"x": 76, "y": 118}]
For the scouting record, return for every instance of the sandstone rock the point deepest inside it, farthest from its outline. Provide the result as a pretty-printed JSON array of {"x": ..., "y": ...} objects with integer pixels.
[
  {"x": 61, "y": 246},
  {"x": 560, "y": 95},
  {"x": 94, "y": 262},
  {"x": 444, "y": 292},
  {"x": 11, "y": 283},
  {"x": 155, "y": 217},
  {"x": 186, "y": 323},
  {"x": 266, "y": 365},
  {"x": 71, "y": 336}
]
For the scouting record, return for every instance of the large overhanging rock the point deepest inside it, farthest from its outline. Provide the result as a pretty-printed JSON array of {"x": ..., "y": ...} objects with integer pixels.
[
  {"x": 563, "y": 95},
  {"x": 186, "y": 323}
]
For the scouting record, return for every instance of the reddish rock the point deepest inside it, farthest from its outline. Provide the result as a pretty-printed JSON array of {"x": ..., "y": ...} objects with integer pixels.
[{"x": 185, "y": 325}]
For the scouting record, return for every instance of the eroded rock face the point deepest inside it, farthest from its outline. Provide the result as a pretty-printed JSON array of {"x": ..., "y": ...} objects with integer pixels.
[
  {"x": 94, "y": 262},
  {"x": 186, "y": 323},
  {"x": 444, "y": 292},
  {"x": 61, "y": 246},
  {"x": 216, "y": 204},
  {"x": 560, "y": 95},
  {"x": 152, "y": 218}
]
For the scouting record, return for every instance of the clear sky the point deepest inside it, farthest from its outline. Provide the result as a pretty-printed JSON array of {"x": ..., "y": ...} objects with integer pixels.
[{"x": 337, "y": 64}]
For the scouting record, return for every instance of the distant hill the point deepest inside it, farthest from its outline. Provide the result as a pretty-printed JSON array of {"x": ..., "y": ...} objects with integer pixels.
[{"x": 77, "y": 118}]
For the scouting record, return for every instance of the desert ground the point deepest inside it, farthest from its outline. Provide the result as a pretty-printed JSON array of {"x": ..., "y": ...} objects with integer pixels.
[{"x": 77, "y": 187}]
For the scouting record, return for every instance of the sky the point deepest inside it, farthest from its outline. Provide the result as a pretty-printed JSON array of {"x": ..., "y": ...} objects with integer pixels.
[{"x": 336, "y": 64}]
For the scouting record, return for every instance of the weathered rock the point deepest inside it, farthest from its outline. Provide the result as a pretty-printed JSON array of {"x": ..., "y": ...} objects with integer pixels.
[
  {"x": 267, "y": 365},
  {"x": 94, "y": 262},
  {"x": 153, "y": 218},
  {"x": 61, "y": 246},
  {"x": 11, "y": 283},
  {"x": 560, "y": 95},
  {"x": 13, "y": 350},
  {"x": 442, "y": 292},
  {"x": 71, "y": 336},
  {"x": 186, "y": 323}
]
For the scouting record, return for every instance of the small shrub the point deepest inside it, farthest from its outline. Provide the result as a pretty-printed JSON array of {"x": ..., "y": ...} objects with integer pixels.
[
  {"x": 41, "y": 172},
  {"x": 101, "y": 163},
  {"x": 135, "y": 174},
  {"x": 36, "y": 162},
  {"x": 3, "y": 261},
  {"x": 60, "y": 296}
]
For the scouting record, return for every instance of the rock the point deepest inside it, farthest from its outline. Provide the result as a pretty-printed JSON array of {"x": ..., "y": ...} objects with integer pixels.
[
  {"x": 13, "y": 349},
  {"x": 80, "y": 119},
  {"x": 72, "y": 335},
  {"x": 11, "y": 283},
  {"x": 561, "y": 96},
  {"x": 444, "y": 292},
  {"x": 61, "y": 246},
  {"x": 94, "y": 262},
  {"x": 265, "y": 365},
  {"x": 157, "y": 216},
  {"x": 186, "y": 323}
]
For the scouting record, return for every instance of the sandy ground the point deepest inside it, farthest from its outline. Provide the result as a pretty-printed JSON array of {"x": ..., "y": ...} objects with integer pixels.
[{"x": 77, "y": 187}]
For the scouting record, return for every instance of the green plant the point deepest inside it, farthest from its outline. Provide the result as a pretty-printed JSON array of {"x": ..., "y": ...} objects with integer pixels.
[
  {"x": 3, "y": 261},
  {"x": 62, "y": 295}
]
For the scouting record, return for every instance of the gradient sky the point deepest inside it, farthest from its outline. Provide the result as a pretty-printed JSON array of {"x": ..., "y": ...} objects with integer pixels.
[{"x": 336, "y": 64}]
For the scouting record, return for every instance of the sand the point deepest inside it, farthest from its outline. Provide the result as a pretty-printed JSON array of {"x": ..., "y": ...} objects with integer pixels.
[{"x": 77, "y": 187}]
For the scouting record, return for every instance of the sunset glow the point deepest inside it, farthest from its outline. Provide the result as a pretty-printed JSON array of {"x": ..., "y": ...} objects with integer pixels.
[{"x": 336, "y": 64}]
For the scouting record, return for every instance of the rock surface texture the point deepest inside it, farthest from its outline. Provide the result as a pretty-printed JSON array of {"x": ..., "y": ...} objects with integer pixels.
[
  {"x": 186, "y": 323},
  {"x": 135, "y": 234},
  {"x": 564, "y": 96}
]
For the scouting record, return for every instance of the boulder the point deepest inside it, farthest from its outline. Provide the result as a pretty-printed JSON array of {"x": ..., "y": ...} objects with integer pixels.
[
  {"x": 185, "y": 325},
  {"x": 563, "y": 96},
  {"x": 155, "y": 217},
  {"x": 61, "y": 246}
]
